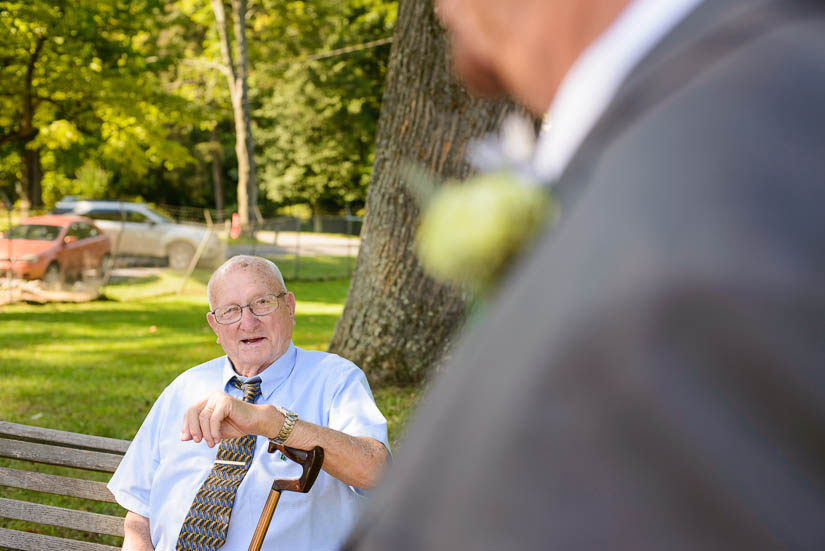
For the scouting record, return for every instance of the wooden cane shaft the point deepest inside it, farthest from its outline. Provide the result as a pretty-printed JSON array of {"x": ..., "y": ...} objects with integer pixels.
[{"x": 263, "y": 522}]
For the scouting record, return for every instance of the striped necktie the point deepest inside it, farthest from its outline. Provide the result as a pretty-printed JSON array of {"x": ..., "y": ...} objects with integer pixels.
[{"x": 204, "y": 528}]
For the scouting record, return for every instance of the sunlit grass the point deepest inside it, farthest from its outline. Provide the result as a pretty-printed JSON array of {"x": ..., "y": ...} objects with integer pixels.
[
  {"x": 313, "y": 268},
  {"x": 97, "y": 367}
]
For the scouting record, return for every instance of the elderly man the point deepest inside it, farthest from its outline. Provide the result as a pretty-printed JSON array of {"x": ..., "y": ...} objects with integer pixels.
[
  {"x": 192, "y": 445},
  {"x": 651, "y": 376}
]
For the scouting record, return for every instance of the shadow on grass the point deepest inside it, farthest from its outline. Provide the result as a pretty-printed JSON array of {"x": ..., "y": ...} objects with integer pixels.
[
  {"x": 115, "y": 320},
  {"x": 330, "y": 292},
  {"x": 148, "y": 280},
  {"x": 102, "y": 322},
  {"x": 102, "y": 312},
  {"x": 314, "y": 268},
  {"x": 201, "y": 276}
]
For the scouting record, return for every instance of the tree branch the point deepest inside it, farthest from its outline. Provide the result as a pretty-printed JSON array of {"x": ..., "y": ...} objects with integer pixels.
[
  {"x": 28, "y": 108},
  {"x": 239, "y": 12},
  {"x": 19, "y": 135},
  {"x": 226, "y": 45}
]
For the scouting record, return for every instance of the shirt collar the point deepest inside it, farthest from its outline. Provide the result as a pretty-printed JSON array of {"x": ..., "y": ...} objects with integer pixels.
[
  {"x": 595, "y": 77},
  {"x": 271, "y": 378}
]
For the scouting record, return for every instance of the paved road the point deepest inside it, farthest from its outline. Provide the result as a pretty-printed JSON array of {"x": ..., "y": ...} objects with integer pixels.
[{"x": 304, "y": 244}]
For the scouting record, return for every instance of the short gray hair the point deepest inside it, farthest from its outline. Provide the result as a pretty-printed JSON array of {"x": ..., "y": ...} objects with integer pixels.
[{"x": 245, "y": 261}]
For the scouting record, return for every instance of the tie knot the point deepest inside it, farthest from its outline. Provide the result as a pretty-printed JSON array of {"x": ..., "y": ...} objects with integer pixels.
[{"x": 251, "y": 389}]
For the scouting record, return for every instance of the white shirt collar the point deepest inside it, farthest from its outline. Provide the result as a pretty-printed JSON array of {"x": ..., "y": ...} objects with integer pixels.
[
  {"x": 595, "y": 77},
  {"x": 271, "y": 378}
]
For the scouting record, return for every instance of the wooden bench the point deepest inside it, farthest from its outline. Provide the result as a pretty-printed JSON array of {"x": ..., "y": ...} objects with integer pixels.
[{"x": 33, "y": 445}]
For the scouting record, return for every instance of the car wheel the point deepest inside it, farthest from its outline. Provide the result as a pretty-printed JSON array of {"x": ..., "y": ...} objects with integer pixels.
[
  {"x": 180, "y": 254},
  {"x": 104, "y": 266},
  {"x": 53, "y": 277}
]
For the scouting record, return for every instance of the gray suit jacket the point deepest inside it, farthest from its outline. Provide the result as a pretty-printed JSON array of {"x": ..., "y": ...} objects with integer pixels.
[{"x": 652, "y": 376}]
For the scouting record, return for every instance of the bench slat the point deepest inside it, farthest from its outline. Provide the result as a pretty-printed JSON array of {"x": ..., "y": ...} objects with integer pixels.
[
  {"x": 53, "y": 484},
  {"x": 54, "y": 455},
  {"x": 25, "y": 541},
  {"x": 58, "y": 516},
  {"x": 67, "y": 439}
]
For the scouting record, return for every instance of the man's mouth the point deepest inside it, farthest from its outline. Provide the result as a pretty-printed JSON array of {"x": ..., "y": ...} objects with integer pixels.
[{"x": 253, "y": 340}]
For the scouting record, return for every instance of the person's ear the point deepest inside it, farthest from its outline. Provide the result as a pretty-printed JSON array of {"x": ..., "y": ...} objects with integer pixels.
[
  {"x": 290, "y": 303},
  {"x": 210, "y": 318}
]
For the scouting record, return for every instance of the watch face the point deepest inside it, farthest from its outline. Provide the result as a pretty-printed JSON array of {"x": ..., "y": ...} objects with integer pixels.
[{"x": 290, "y": 418}]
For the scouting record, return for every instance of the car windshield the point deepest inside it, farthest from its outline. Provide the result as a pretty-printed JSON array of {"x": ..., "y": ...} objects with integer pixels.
[
  {"x": 164, "y": 219},
  {"x": 34, "y": 232}
]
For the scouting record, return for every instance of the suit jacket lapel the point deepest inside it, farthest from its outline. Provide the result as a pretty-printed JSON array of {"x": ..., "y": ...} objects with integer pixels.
[{"x": 715, "y": 29}]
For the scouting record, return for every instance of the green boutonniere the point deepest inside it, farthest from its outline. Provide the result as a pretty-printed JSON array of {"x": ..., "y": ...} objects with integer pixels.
[{"x": 471, "y": 231}]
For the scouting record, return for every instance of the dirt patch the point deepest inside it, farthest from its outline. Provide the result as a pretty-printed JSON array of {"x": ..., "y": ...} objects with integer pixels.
[{"x": 18, "y": 290}]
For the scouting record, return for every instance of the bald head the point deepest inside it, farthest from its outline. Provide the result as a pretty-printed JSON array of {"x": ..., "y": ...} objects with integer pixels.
[{"x": 261, "y": 266}]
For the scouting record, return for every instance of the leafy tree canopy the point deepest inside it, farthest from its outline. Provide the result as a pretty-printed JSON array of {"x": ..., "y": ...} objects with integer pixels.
[
  {"x": 120, "y": 98},
  {"x": 317, "y": 118},
  {"x": 80, "y": 83}
]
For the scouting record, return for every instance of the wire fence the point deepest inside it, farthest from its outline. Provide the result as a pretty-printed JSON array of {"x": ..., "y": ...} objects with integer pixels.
[
  {"x": 346, "y": 225},
  {"x": 323, "y": 247}
]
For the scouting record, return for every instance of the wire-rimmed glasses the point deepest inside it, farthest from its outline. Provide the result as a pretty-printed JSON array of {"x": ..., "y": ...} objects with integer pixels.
[{"x": 259, "y": 306}]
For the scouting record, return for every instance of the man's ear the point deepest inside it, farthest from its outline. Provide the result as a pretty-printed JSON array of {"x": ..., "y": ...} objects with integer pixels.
[
  {"x": 210, "y": 318},
  {"x": 290, "y": 302}
]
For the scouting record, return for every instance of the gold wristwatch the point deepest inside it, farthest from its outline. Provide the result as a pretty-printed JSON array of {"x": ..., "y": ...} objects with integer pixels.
[{"x": 290, "y": 418}]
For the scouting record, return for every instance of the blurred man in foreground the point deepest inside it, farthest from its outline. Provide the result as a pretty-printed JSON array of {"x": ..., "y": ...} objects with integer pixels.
[
  {"x": 192, "y": 478},
  {"x": 651, "y": 376}
]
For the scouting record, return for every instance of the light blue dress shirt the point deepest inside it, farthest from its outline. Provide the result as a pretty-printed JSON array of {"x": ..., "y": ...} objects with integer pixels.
[{"x": 160, "y": 475}]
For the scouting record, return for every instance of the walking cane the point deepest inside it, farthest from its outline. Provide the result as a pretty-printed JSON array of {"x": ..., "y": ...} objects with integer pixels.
[{"x": 311, "y": 461}]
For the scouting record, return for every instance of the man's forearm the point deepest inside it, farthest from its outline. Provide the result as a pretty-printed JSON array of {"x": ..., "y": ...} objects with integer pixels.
[
  {"x": 136, "y": 535},
  {"x": 357, "y": 461}
]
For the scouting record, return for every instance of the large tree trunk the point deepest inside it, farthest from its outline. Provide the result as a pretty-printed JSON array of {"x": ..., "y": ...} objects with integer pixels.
[
  {"x": 397, "y": 322},
  {"x": 239, "y": 93},
  {"x": 33, "y": 176},
  {"x": 217, "y": 178},
  {"x": 30, "y": 158},
  {"x": 245, "y": 146}
]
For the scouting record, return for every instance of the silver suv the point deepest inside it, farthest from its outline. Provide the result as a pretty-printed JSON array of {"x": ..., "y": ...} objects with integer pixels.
[{"x": 137, "y": 230}]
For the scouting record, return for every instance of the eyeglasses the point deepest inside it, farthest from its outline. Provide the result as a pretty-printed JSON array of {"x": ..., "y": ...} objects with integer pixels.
[{"x": 260, "y": 306}]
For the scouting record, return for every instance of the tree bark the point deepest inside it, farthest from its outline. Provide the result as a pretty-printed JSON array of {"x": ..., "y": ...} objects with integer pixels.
[
  {"x": 217, "y": 178},
  {"x": 33, "y": 176},
  {"x": 239, "y": 93},
  {"x": 32, "y": 171},
  {"x": 397, "y": 322}
]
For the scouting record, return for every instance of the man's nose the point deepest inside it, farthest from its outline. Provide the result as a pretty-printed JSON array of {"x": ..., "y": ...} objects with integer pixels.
[{"x": 248, "y": 319}]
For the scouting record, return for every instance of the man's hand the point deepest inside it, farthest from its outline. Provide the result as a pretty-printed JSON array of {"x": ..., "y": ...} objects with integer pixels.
[
  {"x": 221, "y": 416},
  {"x": 357, "y": 461}
]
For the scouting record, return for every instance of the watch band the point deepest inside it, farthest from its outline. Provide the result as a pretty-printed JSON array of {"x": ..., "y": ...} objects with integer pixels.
[{"x": 290, "y": 418}]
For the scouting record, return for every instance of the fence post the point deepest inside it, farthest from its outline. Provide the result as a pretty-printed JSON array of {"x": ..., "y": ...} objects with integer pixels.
[
  {"x": 297, "y": 247},
  {"x": 198, "y": 252},
  {"x": 253, "y": 233},
  {"x": 349, "y": 243},
  {"x": 8, "y": 205}
]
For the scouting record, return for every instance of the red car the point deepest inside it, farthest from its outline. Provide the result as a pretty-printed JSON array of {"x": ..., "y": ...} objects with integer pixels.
[{"x": 53, "y": 248}]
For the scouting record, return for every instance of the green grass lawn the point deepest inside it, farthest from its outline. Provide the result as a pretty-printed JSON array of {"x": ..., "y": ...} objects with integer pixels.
[
  {"x": 315, "y": 268},
  {"x": 97, "y": 367}
]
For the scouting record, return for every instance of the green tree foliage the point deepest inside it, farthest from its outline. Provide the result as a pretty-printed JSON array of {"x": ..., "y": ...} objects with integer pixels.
[
  {"x": 117, "y": 98},
  {"x": 91, "y": 180},
  {"x": 317, "y": 117},
  {"x": 81, "y": 83},
  {"x": 189, "y": 33}
]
